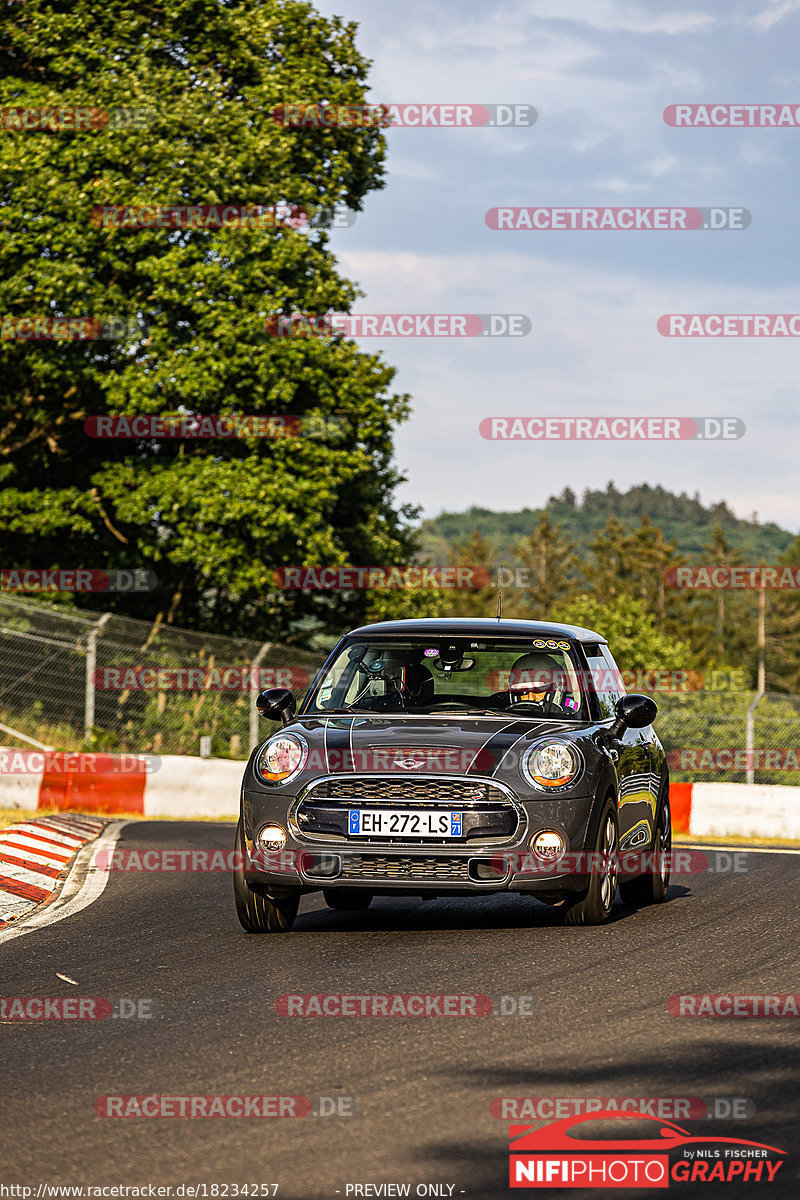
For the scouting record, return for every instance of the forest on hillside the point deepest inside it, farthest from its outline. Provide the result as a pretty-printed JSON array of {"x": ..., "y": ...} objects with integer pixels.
[
  {"x": 682, "y": 519},
  {"x": 602, "y": 561}
]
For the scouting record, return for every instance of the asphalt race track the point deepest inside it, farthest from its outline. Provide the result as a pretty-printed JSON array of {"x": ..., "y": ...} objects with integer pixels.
[{"x": 422, "y": 1087}]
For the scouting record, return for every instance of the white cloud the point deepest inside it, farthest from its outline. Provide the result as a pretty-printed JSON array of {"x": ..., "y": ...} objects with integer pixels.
[
  {"x": 617, "y": 185},
  {"x": 599, "y": 72},
  {"x": 610, "y": 16},
  {"x": 411, "y": 168},
  {"x": 594, "y": 350},
  {"x": 773, "y": 14}
]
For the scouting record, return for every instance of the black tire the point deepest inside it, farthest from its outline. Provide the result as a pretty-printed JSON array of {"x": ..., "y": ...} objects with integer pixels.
[
  {"x": 653, "y": 885},
  {"x": 258, "y": 913},
  {"x": 347, "y": 899},
  {"x": 593, "y": 905}
]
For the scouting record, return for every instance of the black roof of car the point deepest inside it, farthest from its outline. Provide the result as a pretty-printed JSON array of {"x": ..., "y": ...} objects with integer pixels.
[{"x": 479, "y": 627}]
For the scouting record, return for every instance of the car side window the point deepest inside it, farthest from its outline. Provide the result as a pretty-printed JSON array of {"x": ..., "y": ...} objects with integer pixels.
[
  {"x": 605, "y": 677},
  {"x": 616, "y": 674}
]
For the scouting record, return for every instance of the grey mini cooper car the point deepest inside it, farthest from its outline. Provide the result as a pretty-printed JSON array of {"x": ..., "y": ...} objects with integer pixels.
[{"x": 456, "y": 756}]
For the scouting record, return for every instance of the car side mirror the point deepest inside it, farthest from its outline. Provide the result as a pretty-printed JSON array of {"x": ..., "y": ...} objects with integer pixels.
[
  {"x": 634, "y": 712},
  {"x": 277, "y": 704}
]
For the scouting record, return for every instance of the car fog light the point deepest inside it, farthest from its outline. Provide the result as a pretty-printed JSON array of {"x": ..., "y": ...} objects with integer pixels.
[
  {"x": 548, "y": 844},
  {"x": 271, "y": 837}
]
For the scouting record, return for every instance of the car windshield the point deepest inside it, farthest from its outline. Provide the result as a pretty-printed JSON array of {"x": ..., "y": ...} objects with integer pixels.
[{"x": 536, "y": 677}]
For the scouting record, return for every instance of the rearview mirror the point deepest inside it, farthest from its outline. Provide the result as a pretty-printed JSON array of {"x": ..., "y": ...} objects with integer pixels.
[{"x": 277, "y": 704}]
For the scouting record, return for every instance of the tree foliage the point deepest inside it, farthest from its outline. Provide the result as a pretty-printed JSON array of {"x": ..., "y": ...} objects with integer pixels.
[
  {"x": 632, "y": 632},
  {"x": 213, "y": 518}
]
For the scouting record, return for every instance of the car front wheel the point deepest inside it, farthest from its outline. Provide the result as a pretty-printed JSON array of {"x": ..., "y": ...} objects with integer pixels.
[
  {"x": 257, "y": 912},
  {"x": 593, "y": 906}
]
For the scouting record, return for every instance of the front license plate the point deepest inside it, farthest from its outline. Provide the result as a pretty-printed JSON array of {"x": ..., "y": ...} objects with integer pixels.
[{"x": 395, "y": 822}]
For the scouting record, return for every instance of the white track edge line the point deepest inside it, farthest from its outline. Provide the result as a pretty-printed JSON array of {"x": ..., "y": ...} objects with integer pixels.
[{"x": 84, "y": 884}]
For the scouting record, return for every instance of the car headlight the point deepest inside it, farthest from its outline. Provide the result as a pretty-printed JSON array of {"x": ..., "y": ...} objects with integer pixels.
[
  {"x": 282, "y": 757},
  {"x": 551, "y": 765}
]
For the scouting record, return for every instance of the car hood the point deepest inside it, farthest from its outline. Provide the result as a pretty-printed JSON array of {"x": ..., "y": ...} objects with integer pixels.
[{"x": 451, "y": 745}]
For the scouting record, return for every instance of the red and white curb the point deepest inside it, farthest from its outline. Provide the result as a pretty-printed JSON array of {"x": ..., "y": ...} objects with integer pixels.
[
  {"x": 35, "y": 857},
  {"x": 170, "y": 785}
]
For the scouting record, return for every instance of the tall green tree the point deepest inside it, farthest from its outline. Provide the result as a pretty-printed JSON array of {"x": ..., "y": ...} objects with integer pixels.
[
  {"x": 213, "y": 518},
  {"x": 548, "y": 565},
  {"x": 783, "y": 631},
  {"x": 633, "y": 634},
  {"x": 653, "y": 555},
  {"x": 632, "y": 562},
  {"x": 728, "y": 634},
  {"x": 612, "y": 569},
  {"x": 474, "y": 554}
]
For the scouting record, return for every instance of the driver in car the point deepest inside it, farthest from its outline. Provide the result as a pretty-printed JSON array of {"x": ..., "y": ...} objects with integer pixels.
[{"x": 539, "y": 679}]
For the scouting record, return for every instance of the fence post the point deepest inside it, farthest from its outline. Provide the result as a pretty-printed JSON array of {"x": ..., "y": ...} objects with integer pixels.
[
  {"x": 91, "y": 663},
  {"x": 750, "y": 735},
  {"x": 254, "y": 718}
]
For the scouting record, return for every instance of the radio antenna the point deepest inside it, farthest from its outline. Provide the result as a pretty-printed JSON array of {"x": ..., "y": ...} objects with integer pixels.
[{"x": 499, "y": 591}]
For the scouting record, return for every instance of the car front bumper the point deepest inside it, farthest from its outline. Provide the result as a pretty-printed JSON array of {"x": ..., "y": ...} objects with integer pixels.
[{"x": 479, "y": 864}]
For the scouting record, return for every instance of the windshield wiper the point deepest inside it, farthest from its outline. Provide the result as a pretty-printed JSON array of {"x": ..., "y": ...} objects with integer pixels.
[{"x": 466, "y": 711}]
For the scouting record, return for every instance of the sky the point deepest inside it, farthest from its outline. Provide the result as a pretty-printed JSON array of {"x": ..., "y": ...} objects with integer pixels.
[{"x": 599, "y": 73}]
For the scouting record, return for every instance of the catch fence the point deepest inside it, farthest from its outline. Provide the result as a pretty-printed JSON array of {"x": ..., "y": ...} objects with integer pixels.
[
  {"x": 76, "y": 680},
  {"x": 98, "y": 681}
]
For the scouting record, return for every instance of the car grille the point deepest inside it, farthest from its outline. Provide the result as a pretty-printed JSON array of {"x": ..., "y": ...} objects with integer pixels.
[
  {"x": 450, "y": 792},
  {"x": 490, "y": 817},
  {"x": 400, "y": 867}
]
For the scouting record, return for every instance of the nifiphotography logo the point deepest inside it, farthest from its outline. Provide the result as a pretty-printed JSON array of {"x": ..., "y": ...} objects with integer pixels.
[{"x": 555, "y": 1156}]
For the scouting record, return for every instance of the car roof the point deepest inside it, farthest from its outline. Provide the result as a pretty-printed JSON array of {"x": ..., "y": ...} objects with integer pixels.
[{"x": 479, "y": 627}]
